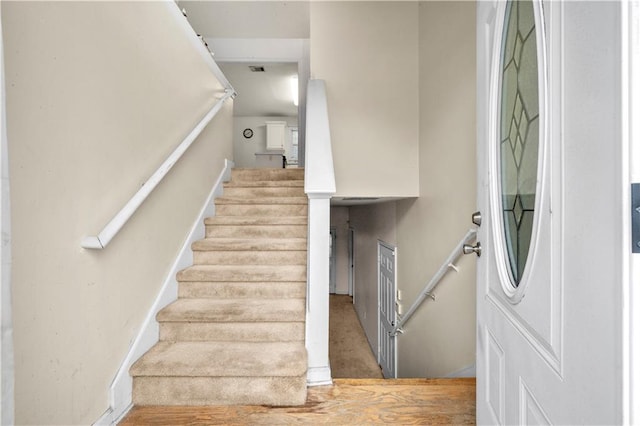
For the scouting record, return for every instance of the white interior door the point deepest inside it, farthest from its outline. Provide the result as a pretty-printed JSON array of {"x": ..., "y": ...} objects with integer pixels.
[
  {"x": 386, "y": 309},
  {"x": 549, "y": 278},
  {"x": 332, "y": 261}
]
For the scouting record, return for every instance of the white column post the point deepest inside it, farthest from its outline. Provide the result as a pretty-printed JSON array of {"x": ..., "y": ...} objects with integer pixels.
[
  {"x": 317, "y": 324},
  {"x": 319, "y": 185}
]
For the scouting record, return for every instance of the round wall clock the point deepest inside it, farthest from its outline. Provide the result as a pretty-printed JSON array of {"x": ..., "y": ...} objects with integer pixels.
[{"x": 247, "y": 133}]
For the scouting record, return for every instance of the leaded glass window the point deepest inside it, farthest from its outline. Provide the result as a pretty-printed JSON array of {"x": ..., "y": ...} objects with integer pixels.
[{"x": 519, "y": 132}]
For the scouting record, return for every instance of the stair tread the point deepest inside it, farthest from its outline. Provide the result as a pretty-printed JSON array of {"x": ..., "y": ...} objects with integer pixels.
[
  {"x": 243, "y": 273},
  {"x": 281, "y": 244},
  {"x": 256, "y": 220},
  {"x": 233, "y": 310},
  {"x": 262, "y": 331},
  {"x": 223, "y": 359},
  {"x": 292, "y": 183},
  {"x": 271, "y": 174},
  {"x": 242, "y": 290},
  {"x": 241, "y": 267},
  {"x": 262, "y": 200}
]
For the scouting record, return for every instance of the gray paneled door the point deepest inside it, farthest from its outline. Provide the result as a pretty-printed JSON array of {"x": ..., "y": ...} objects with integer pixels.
[{"x": 386, "y": 309}]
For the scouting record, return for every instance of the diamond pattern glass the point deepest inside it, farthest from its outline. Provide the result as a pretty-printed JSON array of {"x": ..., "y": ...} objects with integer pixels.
[{"x": 519, "y": 120}]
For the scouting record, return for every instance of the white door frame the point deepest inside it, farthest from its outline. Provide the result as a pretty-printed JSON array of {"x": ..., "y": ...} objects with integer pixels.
[
  {"x": 6, "y": 340},
  {"x": 630, "y": 36},
  {"x": 351, "y": 272},
  {"x": 333, "y": 259}
]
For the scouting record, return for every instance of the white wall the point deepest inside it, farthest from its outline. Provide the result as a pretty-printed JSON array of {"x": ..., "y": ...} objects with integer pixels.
[
  {"x": 367, "y": 52},
  {"x": 371, "y": 223},
  {"x": 244, "y": 149},
  {"x": 93, "y": 107},
  {"x": 440, "y": 339}
]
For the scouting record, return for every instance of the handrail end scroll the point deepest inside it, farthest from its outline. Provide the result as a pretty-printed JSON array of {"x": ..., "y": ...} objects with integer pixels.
[{"x": 92, "y": 242}]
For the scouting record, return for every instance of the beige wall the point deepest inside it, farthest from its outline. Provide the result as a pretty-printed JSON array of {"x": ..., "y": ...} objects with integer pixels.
[
  {"x": 98, "y": 94},
  {"x": 440, "y": 339},
  {"x": 367, "y": 52},
  {"x": 249, "y": 19},
  {"x": 371, "y": 224}
]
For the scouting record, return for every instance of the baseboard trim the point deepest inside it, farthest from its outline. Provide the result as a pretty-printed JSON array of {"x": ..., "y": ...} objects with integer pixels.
[
  {"x": 121, "y": 389},
  {"x": 319, "y": 376},
  {"x": 468, "y": 371}
]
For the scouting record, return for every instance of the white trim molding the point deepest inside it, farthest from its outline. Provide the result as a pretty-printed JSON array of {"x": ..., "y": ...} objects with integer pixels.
[
  {"x": 6, "y": 340},
  {"x": 630, "y": 90},
  {"x": 121, "y": 389},
  {"x": 468, "y": 371}
]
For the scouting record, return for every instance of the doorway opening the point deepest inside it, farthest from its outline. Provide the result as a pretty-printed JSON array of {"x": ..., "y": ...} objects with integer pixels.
[
  {"x": 265, "y": 113},
  {"x": 352, "y": 352}
]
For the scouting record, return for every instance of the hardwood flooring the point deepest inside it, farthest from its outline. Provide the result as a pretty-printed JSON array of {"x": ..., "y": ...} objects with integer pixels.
[{"x": 347, "y": 402}]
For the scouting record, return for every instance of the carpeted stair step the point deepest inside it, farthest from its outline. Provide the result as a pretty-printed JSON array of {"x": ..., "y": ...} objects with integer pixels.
[
  {"x": 213, "y": 373},
  {"x": 258, "y": 207},
  {"x": 243, "y": 244},
  {"x": 291, "y": 183},
  {"x": 230, "y": 310},
  {"x": 261, "y": 200},
  {"x": 256, "y": 231},
  {"x": 232, "y": 331},
  {"x": 241, "y": 290},
  {"x": 266, "y": 174},
  {"x": 248, "y": 257},
  {"x": 256, "y": 220},
  {"x": 243, "y": 273},
  {"x": 233, "y": 320},
  {"x": 264, "y": 191}
]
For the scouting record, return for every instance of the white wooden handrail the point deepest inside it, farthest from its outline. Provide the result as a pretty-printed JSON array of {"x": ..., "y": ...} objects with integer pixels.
[
  {"x": 426, "y": 291},
  {"x": 101, "y": 240}
]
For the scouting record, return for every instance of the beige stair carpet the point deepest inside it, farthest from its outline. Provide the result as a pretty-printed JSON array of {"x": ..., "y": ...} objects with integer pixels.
[{"x": 236, "y": 333}]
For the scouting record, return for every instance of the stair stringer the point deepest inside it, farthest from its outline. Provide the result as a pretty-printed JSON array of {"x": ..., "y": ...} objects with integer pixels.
[{"x": 121, "y": 389}]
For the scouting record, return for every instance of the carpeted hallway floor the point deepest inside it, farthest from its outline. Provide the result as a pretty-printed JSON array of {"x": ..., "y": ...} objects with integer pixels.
[{"x": 350, "y": 355}]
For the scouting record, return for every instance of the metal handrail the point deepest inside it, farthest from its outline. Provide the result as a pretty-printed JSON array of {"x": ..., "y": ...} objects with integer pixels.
[
  {"x": 110, "y": 230},
  {"x": 442, "y": 271}
]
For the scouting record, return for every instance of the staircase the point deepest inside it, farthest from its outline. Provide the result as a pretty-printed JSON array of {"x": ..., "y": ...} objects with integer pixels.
[{"x": 235, "y": 335}]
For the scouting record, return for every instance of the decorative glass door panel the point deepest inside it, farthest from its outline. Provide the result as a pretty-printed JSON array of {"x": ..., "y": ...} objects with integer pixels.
[{"x": 519, "y": 133}]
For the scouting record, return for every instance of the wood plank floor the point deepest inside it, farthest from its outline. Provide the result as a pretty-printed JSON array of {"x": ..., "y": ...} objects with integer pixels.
[{"x": 347, "y": 402}]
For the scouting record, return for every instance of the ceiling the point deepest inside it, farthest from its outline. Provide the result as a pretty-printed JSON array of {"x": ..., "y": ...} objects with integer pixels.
[{"x": 262, "y": 94}]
